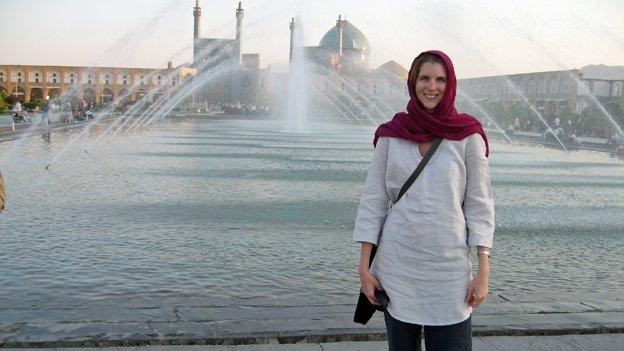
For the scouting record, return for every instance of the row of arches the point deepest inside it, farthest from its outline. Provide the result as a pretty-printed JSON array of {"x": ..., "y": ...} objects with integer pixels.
[
  {"x": 89, "y": 95},
  {"x": 531, "y": 86},
  {"x": 71, "y": 77},
  {"x": 367, "y": 87},
  {"x": 20, "y": 94}
]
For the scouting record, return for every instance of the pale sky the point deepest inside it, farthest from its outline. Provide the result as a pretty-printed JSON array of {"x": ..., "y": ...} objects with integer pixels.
[{"x": 483, "y": 37}]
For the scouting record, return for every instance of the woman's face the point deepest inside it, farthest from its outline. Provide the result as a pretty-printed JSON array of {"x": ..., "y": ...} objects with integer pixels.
[{"x": 430, "y": 84}]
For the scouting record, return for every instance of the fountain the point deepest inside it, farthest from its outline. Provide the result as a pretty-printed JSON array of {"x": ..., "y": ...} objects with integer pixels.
[
  {"x": 588, "y": 93},
  {"x": 487, "y": 115},
  {"x": 185, "y": 210},
  {"x": 298, "y": 75},
  {"x": 511, "y": 24}
]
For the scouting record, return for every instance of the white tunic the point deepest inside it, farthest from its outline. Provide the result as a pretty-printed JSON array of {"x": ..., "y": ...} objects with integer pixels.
[{"x": 423, "y": 258}]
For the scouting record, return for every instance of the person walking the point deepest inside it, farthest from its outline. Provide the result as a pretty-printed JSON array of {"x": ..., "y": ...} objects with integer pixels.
[{"x": 423, "y": 254}]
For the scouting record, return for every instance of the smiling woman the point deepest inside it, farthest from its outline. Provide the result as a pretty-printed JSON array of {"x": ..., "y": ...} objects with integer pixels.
[
  {"x": 430, "y": 83},
  {"x": 423, "y": 256}
]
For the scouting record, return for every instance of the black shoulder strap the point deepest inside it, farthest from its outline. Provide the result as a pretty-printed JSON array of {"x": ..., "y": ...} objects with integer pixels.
[{"x": 420, "y": 167}]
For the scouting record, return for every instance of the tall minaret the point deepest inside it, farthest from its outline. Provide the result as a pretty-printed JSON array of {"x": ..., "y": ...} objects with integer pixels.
[
  {"x": 292, "y": 39},
  {"x": 339, "y": 24},
  {"x": 196, "y": 30},
  {"x": 239, "y": 31}
]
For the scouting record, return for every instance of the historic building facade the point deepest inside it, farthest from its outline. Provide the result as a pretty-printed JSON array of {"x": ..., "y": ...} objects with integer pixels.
[
  {"x": 91, "y": 84},
  {"x": 550, "y": 92},
  {"x": 226, "y": 74},
  {"x": 344, "y": 81},
  {"x": 338, "y": 69}
]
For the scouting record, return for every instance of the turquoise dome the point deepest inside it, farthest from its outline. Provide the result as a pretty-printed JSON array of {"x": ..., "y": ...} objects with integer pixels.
[{"x": 352, "y": 39}]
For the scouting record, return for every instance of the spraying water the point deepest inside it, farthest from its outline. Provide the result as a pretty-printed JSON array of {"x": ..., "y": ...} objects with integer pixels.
[
  {"x": 297, "y": 118},
  {"x": 487, "y": 115}
]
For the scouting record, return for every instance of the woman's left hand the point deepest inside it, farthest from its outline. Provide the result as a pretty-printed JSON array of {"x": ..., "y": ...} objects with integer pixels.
[{"x": 477, "y": 290}]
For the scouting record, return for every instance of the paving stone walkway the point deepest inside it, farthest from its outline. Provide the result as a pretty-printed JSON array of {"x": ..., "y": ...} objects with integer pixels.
[{"x": 114, "y": 323}]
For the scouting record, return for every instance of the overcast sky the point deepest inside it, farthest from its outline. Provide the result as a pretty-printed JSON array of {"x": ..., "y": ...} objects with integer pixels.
[{"x": 483, "y": 37}]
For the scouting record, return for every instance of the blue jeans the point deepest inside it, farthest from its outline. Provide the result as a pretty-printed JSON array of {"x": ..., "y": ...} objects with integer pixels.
[{"x": 406, "y": 336}]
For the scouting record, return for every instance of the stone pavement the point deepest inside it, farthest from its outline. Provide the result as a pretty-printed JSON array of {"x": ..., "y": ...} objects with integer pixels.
[
  {"x": 598, "y": 342},
  {"x": 592, "y": 319}
]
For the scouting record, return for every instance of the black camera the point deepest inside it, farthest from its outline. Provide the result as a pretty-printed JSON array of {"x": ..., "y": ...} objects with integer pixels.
[{"x": 382, "y": 297}]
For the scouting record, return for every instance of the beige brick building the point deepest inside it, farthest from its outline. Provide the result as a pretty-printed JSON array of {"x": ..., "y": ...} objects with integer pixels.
[
  {"x": 92, "y": 84},
  {"x": 550, "y": 92}
]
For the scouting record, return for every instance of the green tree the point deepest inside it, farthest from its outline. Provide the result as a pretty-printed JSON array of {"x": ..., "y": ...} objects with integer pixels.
[
  {"x": 33, "y": 103},
  {"x": 567, "y": 114},
  {"x": 617, "y": 111},
  {"x": 4, "y": 103}
]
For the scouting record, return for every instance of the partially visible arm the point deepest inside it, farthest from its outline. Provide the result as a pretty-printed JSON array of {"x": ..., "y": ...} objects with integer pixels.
[
  {"x": 479, "y": 213},
  {"x": 365, "y": 252},
  {"x": 370, "y": 216},
  {"x": 478, "y": 200},
  {"x": 373, "y": 205},
  {"x": 2, "y": 193},
  {"x": 368, "y": 280},
  {"x": 483, "y": 261},
  {"x": 478, "y": 288}
]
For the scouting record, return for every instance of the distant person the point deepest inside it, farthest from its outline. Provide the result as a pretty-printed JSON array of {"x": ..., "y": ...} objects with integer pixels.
[
  {"x": 559, "y": 131},
  {"x": 46, "y": 136},
  {"x": 423, "y": 257},
  {"x": 2, "y": 194},
  {"x": 615, "y": 140},
  {"x": 510, "y": 130}
]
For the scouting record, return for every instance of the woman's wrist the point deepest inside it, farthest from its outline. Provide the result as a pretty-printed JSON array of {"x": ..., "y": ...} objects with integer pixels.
[
  {"x": 483, "y": 268},
  {"x": 483, "y": 259},
  {"x": 483, "y": 273},
  {"x": 363, "y": 270},
  {"x": 484, "y": 251},
  {"x": 364, "y": 257}
]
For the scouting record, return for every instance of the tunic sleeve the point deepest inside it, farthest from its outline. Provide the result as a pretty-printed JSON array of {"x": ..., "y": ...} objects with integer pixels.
[
  {"x": 478, "y": 201},
  {"x": 374, "y": 200}
]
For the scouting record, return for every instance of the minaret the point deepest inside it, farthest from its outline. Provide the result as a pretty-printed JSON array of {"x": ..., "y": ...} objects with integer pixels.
[
  {"x": 292, "y": 39},
  {"x": 339, "y": 24},
  {"x": 239, "y": 31},
  {"x": 196, "y": 30}
]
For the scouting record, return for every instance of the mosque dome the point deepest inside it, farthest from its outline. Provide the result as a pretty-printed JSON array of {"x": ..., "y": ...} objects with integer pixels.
[
  {"x": 352, "y": 39},
  {"x": 392, "y": 69}
]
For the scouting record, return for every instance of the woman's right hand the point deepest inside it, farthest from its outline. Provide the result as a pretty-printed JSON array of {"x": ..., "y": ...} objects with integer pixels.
[{"x": 369, "y": 284}]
